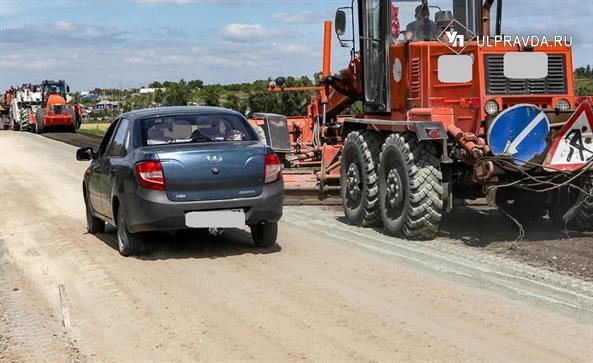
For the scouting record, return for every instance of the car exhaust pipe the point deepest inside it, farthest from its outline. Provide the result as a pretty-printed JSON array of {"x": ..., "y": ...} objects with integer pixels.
[{"x": 215, "y": 231}]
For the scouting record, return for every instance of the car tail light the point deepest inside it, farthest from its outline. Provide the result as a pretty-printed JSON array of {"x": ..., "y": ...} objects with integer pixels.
[
  {"x": 150, "y": 175},
  {"x": 273, "y": 169}
]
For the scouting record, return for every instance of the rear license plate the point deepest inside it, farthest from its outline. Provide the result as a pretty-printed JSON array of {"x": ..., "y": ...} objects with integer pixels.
[{"x": 234, "y": 218}]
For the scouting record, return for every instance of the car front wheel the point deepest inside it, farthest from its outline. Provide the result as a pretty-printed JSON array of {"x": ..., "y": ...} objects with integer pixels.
[{"x": 128, "y": 243}]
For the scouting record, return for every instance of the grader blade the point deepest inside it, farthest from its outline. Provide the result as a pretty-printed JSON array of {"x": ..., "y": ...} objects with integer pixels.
[{"x": 312, "y": 196}]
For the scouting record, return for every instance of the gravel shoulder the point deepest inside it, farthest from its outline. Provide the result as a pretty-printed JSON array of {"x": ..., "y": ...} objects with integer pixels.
[
  {"x": 484, "y": 228},
  {"x": 29, "y": 330},
  {"x": 544, "y": 245}
]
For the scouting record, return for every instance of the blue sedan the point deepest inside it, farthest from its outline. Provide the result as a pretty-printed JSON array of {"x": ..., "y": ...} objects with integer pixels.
[{"x": 165, "y": 169}]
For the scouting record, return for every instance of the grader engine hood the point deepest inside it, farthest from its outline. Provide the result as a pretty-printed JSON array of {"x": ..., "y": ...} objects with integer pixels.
[
  {"x": 542, "y": 76},
  {"x": 527, "y": 98},
  {"x": 525, "y": 73}
]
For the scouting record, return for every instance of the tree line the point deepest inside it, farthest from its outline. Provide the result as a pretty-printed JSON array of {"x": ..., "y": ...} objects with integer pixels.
[
  {"x": 246, "y": 98},
  {"x": 584, "y": 81},
  {"x": 583, "y": 72}
]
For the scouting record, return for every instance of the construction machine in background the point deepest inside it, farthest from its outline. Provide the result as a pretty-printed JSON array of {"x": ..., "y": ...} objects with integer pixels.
[
  {"x": 54, "y": 110},
  {"x": 23, "y": 103},
  {"x": 452, "y": 113},
  {"x": 37, "y": 107}
]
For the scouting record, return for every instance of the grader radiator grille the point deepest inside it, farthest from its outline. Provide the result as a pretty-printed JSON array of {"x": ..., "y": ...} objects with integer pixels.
[{"x": 498, "y": 84}]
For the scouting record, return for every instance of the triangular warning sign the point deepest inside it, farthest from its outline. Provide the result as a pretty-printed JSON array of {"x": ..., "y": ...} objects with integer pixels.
[{"x": 573, "y": 146}]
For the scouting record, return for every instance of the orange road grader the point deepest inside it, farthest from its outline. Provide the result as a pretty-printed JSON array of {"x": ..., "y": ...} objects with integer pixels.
[{"x": 450, "y": 111}]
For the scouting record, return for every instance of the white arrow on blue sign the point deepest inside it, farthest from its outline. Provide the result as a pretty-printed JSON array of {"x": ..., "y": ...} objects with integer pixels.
[{"x": 520, "y": 132}]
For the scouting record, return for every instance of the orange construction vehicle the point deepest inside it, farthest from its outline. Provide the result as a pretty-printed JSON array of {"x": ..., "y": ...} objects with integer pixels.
[
  {"x": 54, "y": 110},
  {"x": 450, "y": 111}
]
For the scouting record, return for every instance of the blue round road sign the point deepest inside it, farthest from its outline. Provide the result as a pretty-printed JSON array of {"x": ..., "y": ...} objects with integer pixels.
[{"x": 520, "y": 132}]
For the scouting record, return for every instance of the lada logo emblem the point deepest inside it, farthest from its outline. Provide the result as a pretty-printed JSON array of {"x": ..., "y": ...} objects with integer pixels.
[{"x": 213, "y": 158}]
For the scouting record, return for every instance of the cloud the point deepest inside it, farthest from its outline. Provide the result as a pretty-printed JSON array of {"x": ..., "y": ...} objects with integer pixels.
[
  {"x": 107, "y": 56},
  {"x": 244, "y": 32},
  {"x": 68, "y": 33},
  {"x": 304, "y": 17},
  {"x": 224, "y": 49},
  {"x": 9, "y": 7},
  {"x": 64, "y": 25}
]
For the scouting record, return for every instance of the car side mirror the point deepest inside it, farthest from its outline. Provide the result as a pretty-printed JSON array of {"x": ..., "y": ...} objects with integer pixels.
[
  {"x": 85, "y": 153},
  {"x": 340, "y": 22}
]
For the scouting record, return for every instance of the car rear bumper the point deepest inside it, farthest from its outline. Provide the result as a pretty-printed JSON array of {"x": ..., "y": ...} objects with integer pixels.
[{"x": 150, "y": 210}]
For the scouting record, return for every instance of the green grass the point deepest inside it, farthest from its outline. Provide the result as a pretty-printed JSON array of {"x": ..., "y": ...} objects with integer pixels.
[
  {"x": 584, "y": 86},
  {"x": 94, "y": 129}
]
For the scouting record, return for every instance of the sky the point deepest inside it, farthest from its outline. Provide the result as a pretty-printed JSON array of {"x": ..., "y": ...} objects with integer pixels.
[{"x": 129, "y": 43}]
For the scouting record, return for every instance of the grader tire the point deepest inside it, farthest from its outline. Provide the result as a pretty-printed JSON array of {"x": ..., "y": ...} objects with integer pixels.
[
  {"x": 358, "y": 181},
  {"x": 584, "y": 218},
  {"x": 410, "y": 187},
  {"x": 566, "y": 198}
]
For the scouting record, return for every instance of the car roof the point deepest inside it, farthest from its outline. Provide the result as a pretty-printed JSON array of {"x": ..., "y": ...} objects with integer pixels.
[{"x": 178, "y": 110}]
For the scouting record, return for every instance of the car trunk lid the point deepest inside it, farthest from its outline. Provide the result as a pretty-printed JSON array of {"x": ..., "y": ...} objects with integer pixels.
[{"x": 212, "y": 171}]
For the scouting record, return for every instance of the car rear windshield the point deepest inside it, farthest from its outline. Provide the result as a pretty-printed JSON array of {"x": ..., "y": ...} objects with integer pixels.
[{"x": 159, "y": 130}]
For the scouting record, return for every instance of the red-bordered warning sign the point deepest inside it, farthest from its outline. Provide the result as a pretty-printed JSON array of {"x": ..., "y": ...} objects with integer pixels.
[{"x": 574, "y": 145}]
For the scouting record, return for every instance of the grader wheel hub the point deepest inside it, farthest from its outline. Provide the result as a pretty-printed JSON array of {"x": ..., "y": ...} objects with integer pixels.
[
  {"x": 394, "y": 189},
  {"x": 353, "y": 182}
]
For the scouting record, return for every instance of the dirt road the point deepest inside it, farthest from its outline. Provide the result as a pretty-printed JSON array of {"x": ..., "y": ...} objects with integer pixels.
[{"x": 329, "y": 292}]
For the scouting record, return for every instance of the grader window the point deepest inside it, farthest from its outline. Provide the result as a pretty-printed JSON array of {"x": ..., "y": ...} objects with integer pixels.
[
  {"x": 468, "y": 13},
  {"x": 455, "y": 68},
  {"x": 372, "y": 53}
]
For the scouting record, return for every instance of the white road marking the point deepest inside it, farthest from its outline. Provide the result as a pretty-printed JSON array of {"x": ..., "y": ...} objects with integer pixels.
[{"x": 512, "y": 147}]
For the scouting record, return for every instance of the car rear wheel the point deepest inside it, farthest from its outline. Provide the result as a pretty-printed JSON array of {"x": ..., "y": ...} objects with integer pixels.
[
  {"x": 264, "y": 234},
  {"x": 93, "y": 224},
  {"x": 128, "y": 244}
]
